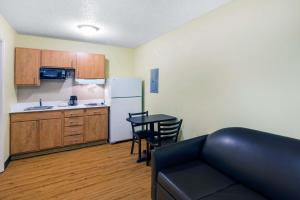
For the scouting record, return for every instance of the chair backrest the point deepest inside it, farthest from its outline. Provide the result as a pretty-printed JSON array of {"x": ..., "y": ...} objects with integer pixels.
[
  {"x": 169, "y": 129},
  {"x": 140, "y": 114}
]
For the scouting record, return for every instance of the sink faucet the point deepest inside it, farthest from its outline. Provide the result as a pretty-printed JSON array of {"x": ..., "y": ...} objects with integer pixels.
[{"x": 41, "y": 103}]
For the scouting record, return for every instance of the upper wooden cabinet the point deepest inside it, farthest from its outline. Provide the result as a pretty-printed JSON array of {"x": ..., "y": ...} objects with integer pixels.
[
  {"x": 27, "y": 64},
  {"x": 90, "y": 66},
  {"x": 56, "y": 59}
]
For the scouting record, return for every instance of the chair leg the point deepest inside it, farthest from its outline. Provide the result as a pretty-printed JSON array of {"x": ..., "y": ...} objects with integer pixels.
[
  {"x": 148, "y": 155},
  {"x": 140, "y": 149},
  {"x": 132, "y": 146}
]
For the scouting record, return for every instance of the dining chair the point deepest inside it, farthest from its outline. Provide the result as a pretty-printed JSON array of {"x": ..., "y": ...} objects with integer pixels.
[
  {"x": 139, "y": 132},
  {"x": 167, "y": 134}
]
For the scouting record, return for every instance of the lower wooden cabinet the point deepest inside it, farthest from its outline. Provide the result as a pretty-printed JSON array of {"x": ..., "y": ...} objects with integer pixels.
[
  {"x": 50, "y": 133},
  {"x": 73, "y": 130},
  {"x": 73, "y": 139},
  {"x": 74, "y": 121},
  {"x": 37, "y": 131},
  {"x": 95, "y": 128},
  {"x": 24, "y": 137}
]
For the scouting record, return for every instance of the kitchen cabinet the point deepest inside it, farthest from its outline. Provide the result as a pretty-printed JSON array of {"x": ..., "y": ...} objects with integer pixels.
[
  {"x": 58, "y": 59},
  {"x": 34, "y": 131},
  {"x": 74, "y": 126},
  {"x": 73, "y": 130},
  {"x": 27, "y": 65},
  {"x": 90, "y": 66},
  {"x": 44, "y": 130},
  {"x": 74, "y": 121},
  {"x": 31, "y": 116},
  {"x": 28, "y": 62},
  {"x": 50, "y": 132},
  {"x": 74, "y": 113},
  {"x": 24, "y": 137},
  {"x": 96, "y": 128},
  {"x": 73, "y": 139}
]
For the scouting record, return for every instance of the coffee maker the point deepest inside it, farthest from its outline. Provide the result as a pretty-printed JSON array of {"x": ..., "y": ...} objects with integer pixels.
[{"x": 73, "y": 101}]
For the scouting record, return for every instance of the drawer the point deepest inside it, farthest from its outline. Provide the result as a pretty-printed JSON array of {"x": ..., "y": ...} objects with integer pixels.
[
  {"x": 32, "y": 116},
  {"x": 74, "y": 139},
  {"x": 73, "y": 130},
  {"x": 74, "y": 113},
  {"x": 74, "y": 121},
  {"x": 96, "y": 111}
]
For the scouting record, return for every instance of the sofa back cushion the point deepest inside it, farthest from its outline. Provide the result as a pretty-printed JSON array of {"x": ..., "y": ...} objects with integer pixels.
[{"x": 267, "y": 163}]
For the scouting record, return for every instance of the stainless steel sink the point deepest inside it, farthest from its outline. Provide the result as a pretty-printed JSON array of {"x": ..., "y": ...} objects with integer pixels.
[{"x": 38, "y": 108}]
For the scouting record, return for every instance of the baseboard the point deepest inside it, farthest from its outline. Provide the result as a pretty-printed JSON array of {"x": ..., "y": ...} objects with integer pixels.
[
  {"x": 6, "y": 163},
  {"x": 120, "y": 141}
]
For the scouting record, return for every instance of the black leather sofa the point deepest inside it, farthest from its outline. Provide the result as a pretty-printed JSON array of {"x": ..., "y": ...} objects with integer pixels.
[{"x": 230, "y": 164}]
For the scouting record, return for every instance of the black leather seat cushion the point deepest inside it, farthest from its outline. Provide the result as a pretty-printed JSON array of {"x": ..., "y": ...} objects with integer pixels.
[
  {"x": 193, "y": 180},
  {"x": 235, "y": 192}
]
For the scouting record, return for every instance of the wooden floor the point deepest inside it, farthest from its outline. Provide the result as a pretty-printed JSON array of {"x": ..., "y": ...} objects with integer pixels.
[{"x": 104, "y": 172}]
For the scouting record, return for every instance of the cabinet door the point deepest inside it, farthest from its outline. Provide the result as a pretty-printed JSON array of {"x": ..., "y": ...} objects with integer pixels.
[
  {"x": 50, "y": 133},
  {"x": 58, "y": 59},
  {"x": 27, "y": 65},
  {"x": 95, "y": 128},
  {"x": 24, "y": 137},
  {"x": 90, "y": 66}
]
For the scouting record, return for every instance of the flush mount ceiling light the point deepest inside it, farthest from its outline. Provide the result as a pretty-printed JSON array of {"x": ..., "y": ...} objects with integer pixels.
[{"x": 87, "y": 29}]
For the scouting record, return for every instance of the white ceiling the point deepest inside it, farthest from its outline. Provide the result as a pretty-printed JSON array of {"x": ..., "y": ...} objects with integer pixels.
[{"x": 127, "y": 23}]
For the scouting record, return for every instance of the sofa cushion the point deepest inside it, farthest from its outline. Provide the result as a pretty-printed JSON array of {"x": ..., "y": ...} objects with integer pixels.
[
  {"x": 270, "y": 164},
  {"x": 193, "y": 180},
  {"x": 235, "y": 192},
  {"x": 163, "y": 194}
]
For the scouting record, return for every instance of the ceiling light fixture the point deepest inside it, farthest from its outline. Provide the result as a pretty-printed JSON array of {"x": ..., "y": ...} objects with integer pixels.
[{"x": 88, "y": 29}]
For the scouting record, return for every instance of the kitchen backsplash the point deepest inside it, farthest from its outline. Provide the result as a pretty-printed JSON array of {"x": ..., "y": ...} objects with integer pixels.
[{"x": 58, "y": 90}]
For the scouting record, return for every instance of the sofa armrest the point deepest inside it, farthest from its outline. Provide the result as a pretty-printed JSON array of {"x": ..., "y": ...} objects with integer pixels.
[{"x": 172, "y": 155}]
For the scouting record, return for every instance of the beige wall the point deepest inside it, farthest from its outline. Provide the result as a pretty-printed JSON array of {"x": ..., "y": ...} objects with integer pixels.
[
  {"x": 236, "y": 66},
  {"x": 7, "y": 36},
  {"x": 119, "y": 62}
]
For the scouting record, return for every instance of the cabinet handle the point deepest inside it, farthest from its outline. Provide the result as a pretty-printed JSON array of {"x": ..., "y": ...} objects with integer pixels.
[{"x": 34, "y": 81}]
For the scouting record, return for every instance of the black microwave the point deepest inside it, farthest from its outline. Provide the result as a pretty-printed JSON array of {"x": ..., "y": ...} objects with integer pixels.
[{"x": 52, "y": 73}]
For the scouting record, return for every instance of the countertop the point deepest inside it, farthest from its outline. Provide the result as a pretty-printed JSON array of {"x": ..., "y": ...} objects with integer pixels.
[{"x": 57, "y": 105}]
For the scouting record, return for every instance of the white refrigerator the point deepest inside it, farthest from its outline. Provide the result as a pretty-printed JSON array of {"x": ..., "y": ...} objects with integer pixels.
[{"x": 123, "y": 95}]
